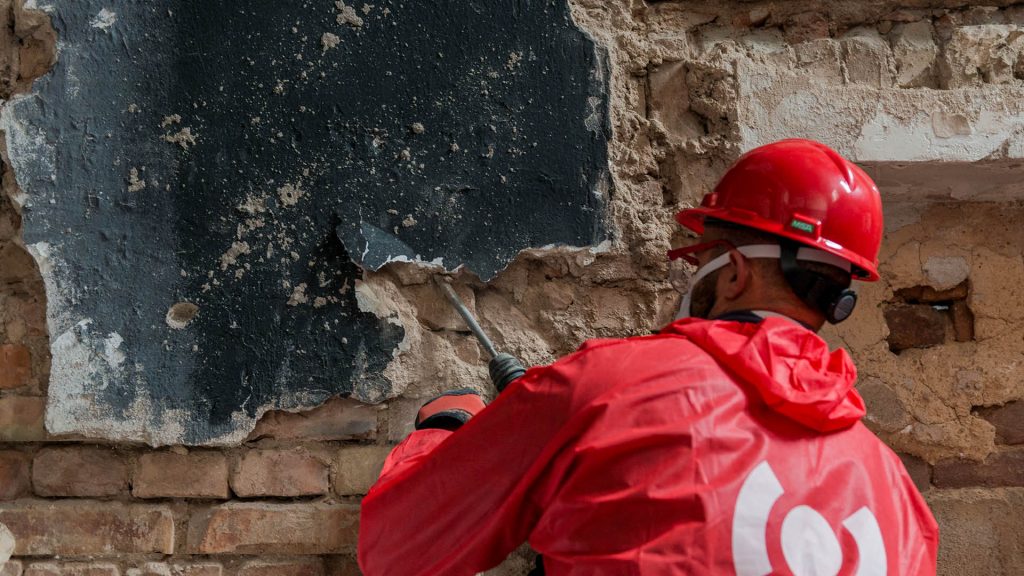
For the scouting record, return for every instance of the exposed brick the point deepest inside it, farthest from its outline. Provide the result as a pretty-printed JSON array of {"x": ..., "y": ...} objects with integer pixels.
[
  {"x": 1008, "y": 420},
  {"x": 263, "y": 528},
  {"x": 177, "y": 569},
  {"x": 72, "y": 569},
  {"x": 979, "y": 530},
  {"x": 15, "y": 365},
  {"x": 11, "y": 568},
  {"x": 291, "y": 567},
  {"x": 21, "y": 419},
  {"x": 929, "y": 295},
  {"x": 343, "y": 566},
  {"x": 919, "y": 470},
  {"x": 79, "y": 471},
  {"x": 336, "y": 419},
  {"x": 963, "y": 321},
  {"x": 46, "y": 528},
  {"x": 358, "y": 468},
  {"x": 15, "y": 478},
  {"x": 279, "y": 473},
  {"x": 171, "y": 475},
  {"x": 914, "y": 326},
  {"x": 1005, "y": 468}
]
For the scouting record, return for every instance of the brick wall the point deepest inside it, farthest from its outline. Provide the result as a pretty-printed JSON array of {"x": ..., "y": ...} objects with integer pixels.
[{"x": 286, "y": 503}]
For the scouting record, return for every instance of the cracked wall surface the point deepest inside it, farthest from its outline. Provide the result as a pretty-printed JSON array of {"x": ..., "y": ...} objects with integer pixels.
[{"x": 924, "y": 94}]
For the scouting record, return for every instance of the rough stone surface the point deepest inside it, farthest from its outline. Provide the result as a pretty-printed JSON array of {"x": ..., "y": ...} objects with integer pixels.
[
  {"x": 15, "y": 477},
  {"x": 1002, "y": 468},
  {"x": 79, "y": 472},
  {"x": 15, "y": 365},
  {"x": 261, "y": 528},
  {"x": 979, "y": 530},
  {"x": 12, "y": 568},
  {"x": 173, "y": 475},
  {"x": 68, "y": 528},
  {"x": 358, "y": 468},
  {"x": 280, "y": 473}
]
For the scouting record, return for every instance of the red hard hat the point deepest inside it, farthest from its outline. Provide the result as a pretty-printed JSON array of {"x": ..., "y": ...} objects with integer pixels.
[{"x": 804, "y": 191}]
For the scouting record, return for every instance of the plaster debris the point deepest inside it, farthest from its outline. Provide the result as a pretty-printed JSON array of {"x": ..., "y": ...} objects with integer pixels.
[
  {"x": 408, "y": 221},
  {"x": 348, "y": 15},
  {"x": 289, "y": 194},
  {"x": 230, "y": 257},
  {"x": 298, "y": 295},
  {"x": 134, "y": 183},
  {"x": 367, "y": 8},
  {"x": 181, "y": 314},
  {"x": 417, "y": 128},
  {"x": 253, "y": 205},
  {"x": 514, "y": 60},
  {"x": 329, "y": 40},
  {"x": 168, "y": 120},
  {"x": 183, "y": 138},
  {"x": 104, "y": 20}
]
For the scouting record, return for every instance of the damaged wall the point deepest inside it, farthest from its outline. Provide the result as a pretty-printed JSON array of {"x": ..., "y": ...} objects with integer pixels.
[
  {"x": 199, "y": 187},
  {"x": 925, "y": 94}
]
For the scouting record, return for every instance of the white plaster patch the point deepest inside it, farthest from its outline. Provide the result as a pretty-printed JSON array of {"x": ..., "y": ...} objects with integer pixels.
[
  {"x": 104, "y": 20},
  {"x": 944, "y": 272}
]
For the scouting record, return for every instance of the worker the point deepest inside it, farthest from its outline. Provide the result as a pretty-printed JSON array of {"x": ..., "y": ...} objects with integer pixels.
[{"x": 730, "y": 442}]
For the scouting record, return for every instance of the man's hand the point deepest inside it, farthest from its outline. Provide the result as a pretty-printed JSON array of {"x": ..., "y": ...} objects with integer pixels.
[{"x": 450, "y": 410}]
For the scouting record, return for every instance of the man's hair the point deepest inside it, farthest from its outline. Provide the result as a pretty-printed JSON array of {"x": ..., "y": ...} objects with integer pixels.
[{"x": 770, "y": 269}]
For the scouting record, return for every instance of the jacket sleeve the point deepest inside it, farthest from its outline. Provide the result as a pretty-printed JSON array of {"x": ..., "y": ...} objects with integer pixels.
[{"x": 459, "y": 502}]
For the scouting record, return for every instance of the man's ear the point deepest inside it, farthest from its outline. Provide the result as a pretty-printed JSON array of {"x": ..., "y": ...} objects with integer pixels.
[{"x": 735, "y": 277}]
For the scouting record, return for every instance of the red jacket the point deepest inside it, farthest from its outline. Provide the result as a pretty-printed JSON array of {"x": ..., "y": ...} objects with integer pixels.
[{"x": 712, "y": 448}]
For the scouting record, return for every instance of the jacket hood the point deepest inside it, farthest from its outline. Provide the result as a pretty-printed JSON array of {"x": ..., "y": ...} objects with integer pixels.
[{"x": 791, "y": 368}]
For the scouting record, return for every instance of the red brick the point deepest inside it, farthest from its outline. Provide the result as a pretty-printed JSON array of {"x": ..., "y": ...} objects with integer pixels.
[
  {"x": 263, "y": 528},
  {"x": 1004, "y": 468},
  {"x": 170, "y": 475},
  {"x": 70, "y": 527},
  {"x": 72, "y": 569},
  {"x": 914, "y": 326},
  {"x": 279, "y": 473},
  {"x": 963, "y": 321},
  {"x": 79, "y": 471},
  {"x": 336, "y": 419},
  {"x": 21, "y": 419},
  {"x": 177, "y": 569},
  {"x": 15, "y": 366},
  {"x": 1008, "y": 420},
  {"x": 358, "y": 468},
  {"x": 15, "y": 478},
  {"x": 291, "y": 567}
]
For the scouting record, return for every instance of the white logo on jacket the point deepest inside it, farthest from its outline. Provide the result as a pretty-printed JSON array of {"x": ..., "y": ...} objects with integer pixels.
[{"x": 809, "y": 545}]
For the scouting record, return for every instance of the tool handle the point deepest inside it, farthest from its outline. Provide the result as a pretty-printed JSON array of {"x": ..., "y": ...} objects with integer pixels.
[
  {"x": 504, "y": 369},
  {"x": 468, "y": 317}
]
